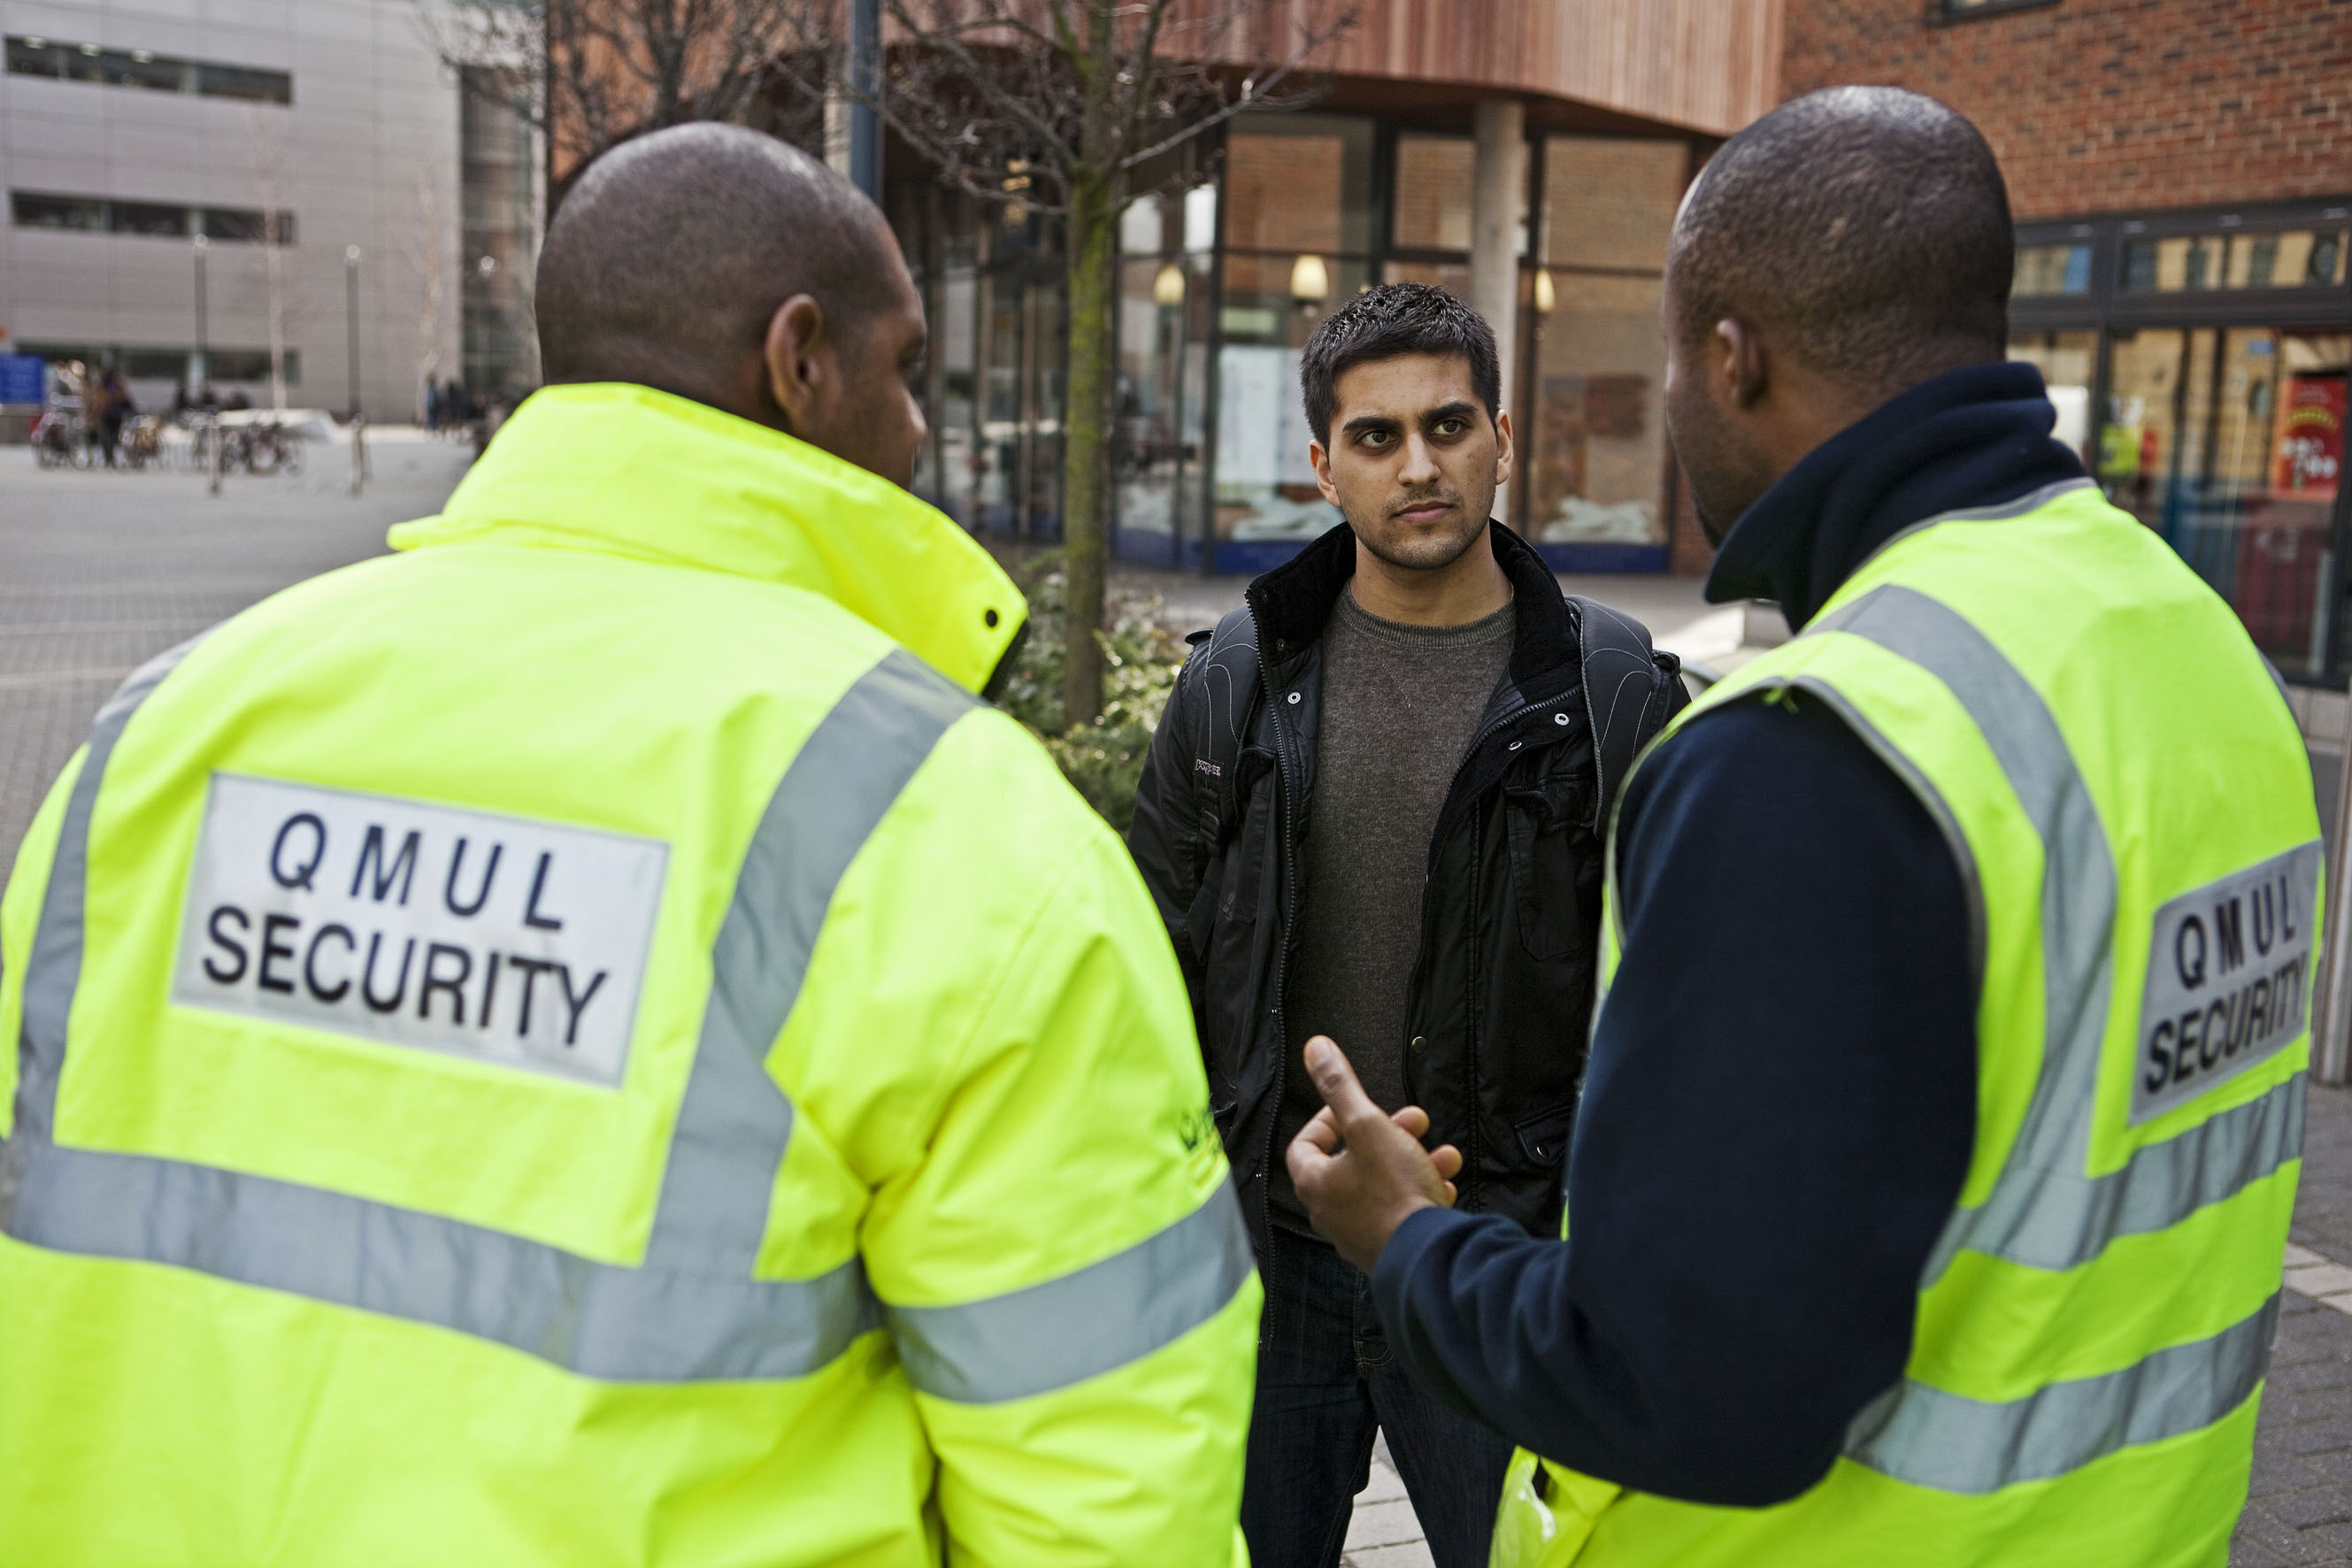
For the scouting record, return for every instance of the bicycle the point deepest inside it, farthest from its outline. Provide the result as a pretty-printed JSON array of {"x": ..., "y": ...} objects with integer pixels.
[
  {"x": 271, "y": 449},
  {"x": 59, "y": 441}
]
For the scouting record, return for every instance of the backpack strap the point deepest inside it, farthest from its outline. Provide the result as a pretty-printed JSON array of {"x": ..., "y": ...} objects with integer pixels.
[
  {"x": 1226, "y": 690},
  {"x": 1630, "y": 692}
]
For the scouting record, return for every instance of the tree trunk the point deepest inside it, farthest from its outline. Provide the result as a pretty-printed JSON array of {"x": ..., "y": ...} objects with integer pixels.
[{"x": 1086, "y": 443}]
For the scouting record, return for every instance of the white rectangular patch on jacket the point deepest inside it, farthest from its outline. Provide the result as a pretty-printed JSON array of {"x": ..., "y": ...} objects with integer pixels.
[
  {"x": 498, "y": 938},
  {"x": 2229, "y": 978}
]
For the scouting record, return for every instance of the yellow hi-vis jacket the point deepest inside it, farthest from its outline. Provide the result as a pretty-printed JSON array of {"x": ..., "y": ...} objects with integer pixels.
[
  {"x": 2129, "y": 801},
  {"x": 583, "y": 1042}
]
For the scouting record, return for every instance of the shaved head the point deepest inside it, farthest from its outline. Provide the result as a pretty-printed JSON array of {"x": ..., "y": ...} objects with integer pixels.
[
  {"x": 728, "y": 267},
  {"x": 1847, "y": 247},
  {"x": 1866, "y": 227}
]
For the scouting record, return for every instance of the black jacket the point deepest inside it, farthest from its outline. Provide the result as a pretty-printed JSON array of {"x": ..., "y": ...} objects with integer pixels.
[{"x": 1502, "y": 990}]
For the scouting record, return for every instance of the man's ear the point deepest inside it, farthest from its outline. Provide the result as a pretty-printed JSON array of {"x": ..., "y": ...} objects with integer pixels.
[
  {"x": 1740, "y": 360},
  {"x": 804, "y": 373},
  {"x": 1505, "y": 452},
  {"x": 1320, "y": 456}
]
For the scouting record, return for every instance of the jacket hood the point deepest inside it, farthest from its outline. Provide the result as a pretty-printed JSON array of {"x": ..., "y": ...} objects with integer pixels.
[
  {"x": 1975, "y": 436},
  {"x": 628, "y": 470}
]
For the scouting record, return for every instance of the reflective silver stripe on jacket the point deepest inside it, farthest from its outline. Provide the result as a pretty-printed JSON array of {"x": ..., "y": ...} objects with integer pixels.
[
  {"x": 693, "y": 1311},
  {"x": 2043, "y": 1211},
  {"x": 1085, "y": 1323},
  {"x": 1932, "y": 1438}
]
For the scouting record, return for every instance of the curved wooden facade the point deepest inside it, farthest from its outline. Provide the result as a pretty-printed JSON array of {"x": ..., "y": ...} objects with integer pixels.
[{"x": 1709, "y": 65}]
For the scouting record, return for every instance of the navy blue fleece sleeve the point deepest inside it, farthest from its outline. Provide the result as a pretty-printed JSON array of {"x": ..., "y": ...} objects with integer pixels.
[{"x": 1775, "y": 1122}]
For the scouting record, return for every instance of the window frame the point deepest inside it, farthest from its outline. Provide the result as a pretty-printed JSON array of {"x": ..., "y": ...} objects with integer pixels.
[
  {"x": 1958, "y": 12},
  {"x": 97, "y": 65}
]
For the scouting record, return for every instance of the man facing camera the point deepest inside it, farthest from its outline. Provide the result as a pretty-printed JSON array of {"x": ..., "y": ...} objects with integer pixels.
[{"x": 1373, "y": 810}]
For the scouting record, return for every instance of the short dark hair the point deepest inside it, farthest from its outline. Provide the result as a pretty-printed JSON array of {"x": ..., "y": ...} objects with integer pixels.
[
  {"x": 1870, "y": 223},
  {"x": 672, "y": 250},
  {"x": 1384, "y": 322}
]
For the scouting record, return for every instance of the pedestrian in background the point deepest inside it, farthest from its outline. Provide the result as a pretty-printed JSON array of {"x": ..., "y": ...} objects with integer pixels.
[
  {"x": 1940, "y": 1134},
  {"x": 116, "y": 408},
  {"x": 585, "y": 1040},
  {"x": 1372, "y": 809},
  {"x": 96, "y": 407}
]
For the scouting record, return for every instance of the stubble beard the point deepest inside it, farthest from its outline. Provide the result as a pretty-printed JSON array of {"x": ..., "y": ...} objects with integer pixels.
[
  {"x": 1424, "y": 553},
  {"x": 1420, "y": 550}
]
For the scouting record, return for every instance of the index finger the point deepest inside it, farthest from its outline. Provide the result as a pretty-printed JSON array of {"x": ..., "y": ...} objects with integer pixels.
[{"x": 1322, "y": 1130}]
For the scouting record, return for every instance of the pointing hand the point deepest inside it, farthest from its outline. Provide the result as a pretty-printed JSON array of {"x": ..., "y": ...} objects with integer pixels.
[{"x": 1360, "y": 1173}]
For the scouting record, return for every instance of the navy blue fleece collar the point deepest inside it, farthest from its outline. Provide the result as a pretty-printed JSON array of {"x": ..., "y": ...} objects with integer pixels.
[{"x": 1970, "y": 438}]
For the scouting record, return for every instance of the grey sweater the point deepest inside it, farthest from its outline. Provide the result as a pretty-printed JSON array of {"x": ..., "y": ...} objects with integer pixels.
[{"x": 1399, "y": 706}]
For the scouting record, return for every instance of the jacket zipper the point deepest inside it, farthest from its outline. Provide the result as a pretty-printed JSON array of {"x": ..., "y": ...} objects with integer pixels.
[
  {"x": 1284, "y": 828},
  {"x": 1470, "y": 1161}
]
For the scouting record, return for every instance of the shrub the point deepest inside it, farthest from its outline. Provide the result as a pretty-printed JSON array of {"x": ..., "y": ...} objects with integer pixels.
[{"x": 1104, "y": 760}]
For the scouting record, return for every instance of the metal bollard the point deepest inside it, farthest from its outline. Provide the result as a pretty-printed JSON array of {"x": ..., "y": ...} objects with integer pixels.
[
  {"x": 213, "y": 451},
  {"x": 359, "y": 451},
  {"x": 2331, "y": 1019}
]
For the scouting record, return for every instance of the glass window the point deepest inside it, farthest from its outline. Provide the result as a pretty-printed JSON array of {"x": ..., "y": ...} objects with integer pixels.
[
  {"x": 1163, "y": 316},
  {"x": 145, "y": 68},
  {"x": 85, "y": 62},
  {"x": 240, "y": 81},
  {"x": 2230, "y": 442},
  {"x": 154, "y": 365},
  {"x": 1434, "y": 178},
  {"x": 1593, "y": 441},
  {"x": 30, "y": 57},
  {"x": 1266, "y": 501},
  {"x": 31, "y": 211},
  {"x": 2066, "y": 361},
  {"x": 249, "y": 365},
  {"x": 137, "y": 68},
  {"x": 1454, "y": 276},
  {"x": 2298, "y": 258},
  {"x": 156, "y": 218},
  {"x": 1609, "y": 202},
  {"x": 2044, "y": 269},
  {"x": 1299, "y": 182},
  {"x": 242, "y": 226},
  {"x": 1592, "y": 430}
]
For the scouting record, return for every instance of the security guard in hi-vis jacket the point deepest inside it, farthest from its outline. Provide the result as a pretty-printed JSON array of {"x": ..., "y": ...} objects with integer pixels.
[
  {"x": 1926, "y": 1199},
  {"x": 585, "y": 1041}
]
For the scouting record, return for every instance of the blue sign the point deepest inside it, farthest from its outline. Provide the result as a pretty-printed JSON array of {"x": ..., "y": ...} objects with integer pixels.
[{"x": 22, "y": 378}]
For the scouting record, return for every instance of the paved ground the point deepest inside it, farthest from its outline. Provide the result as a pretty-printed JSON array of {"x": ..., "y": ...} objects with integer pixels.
[{"x": 98, "y": 570}]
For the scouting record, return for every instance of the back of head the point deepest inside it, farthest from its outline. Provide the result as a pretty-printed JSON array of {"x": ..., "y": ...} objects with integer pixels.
[
  {"x": 672, "y": 251},
  {"x": 1867, "y": 228},
  {"x": 1394, "y": 320}
]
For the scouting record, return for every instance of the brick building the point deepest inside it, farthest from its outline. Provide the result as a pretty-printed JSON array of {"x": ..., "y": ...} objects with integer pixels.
[{"x": 2181, "y": 173}]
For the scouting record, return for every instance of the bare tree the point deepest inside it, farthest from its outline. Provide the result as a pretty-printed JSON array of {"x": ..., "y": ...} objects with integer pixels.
[
  {"x": 590, "y": 74},
  {"x": 421, "y": 249},
  {"x": 1068, "y": 107},
  {"x": 1076, "y": 108},
  {"x": 267, "y": 148}
]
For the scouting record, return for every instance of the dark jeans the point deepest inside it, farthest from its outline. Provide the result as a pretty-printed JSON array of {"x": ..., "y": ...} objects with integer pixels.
[{"x": 1325, "y": 1382}]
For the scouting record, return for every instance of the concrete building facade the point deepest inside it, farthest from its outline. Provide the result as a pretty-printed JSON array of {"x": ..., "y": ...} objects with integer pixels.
[{"x": 161, "y": 159}]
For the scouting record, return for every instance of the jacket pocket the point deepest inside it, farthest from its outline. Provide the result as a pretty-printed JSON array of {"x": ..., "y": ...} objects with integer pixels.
[
  {"x": 1549, "y": 884},
  {"x": 1229, "y": 934},
  {"x": 1543, "y": 1140},
  {"x": 1245, "y": 853}
]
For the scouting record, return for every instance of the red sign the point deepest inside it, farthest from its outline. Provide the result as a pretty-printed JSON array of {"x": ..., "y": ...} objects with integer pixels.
[{"x": 2311, "y": 435}]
